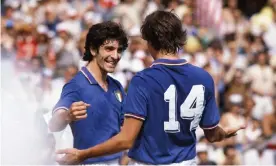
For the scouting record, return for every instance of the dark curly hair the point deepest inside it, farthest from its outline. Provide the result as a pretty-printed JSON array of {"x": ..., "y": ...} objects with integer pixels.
[
  {"x": 100, "y": 33},
  {"x": 163, "y": 31}
]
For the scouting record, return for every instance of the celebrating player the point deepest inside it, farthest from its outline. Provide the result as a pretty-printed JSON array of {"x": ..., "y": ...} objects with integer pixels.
[
  {"x": 164, "y": 105},
  {"x": 91, "y": 101}
]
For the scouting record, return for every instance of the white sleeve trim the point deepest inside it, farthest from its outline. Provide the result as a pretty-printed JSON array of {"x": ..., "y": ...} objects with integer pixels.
[
  {"x": 58, "y": 108},
  {"x": 134, "y": 116},
  {"x": 209, "y": 128}
]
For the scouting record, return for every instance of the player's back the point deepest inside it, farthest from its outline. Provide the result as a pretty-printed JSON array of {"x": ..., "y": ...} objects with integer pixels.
[{"x": 176, "y": 94}]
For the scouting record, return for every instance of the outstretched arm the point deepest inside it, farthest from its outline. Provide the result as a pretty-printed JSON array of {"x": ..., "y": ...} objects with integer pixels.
[
  {"x": 122, "y": 141},
  {"x": 218, "y": 134}
]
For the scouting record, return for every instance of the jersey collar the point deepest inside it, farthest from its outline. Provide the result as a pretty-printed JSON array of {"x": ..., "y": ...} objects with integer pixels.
[
  {"x": 169, "y": 62},
  {"x": 88, "y": 75}
]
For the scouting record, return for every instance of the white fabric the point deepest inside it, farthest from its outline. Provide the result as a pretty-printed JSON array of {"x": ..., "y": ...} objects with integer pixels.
[
  {"x": 111, "y": 162},
  {"x": 187, "y": 162},
  {"x": 264, "y": 105},
  {"x": 252, "y": 157},
  {"x": 261, "y": 77}
]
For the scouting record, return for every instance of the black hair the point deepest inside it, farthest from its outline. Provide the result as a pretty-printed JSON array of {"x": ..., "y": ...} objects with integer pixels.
[
  {"x": 163, "y": 30},
  {"x": 226, "y": 148},
  {"x": 230, "y": 37},
  {"x": 260, "y": 52},
  {"x": 216, "y": 45},
  {"x": 100, "y": 33}
]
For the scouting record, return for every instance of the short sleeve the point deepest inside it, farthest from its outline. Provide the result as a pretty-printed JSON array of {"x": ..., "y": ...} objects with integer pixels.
[
  {"x": 70, "y": 94},
  {"x": 135, "y": 104},
  {"x": 211, "y": 116}
]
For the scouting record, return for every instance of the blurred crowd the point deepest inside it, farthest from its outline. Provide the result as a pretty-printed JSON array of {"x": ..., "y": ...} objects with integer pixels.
[{"x": 45, "y": 41}]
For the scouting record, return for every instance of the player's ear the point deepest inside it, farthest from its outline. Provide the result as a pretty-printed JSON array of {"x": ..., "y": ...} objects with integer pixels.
[{"x": 93, "y": 52}]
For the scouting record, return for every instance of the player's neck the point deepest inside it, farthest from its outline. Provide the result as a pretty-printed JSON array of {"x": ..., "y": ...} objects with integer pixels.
[
  {"x": 99, "y": 75},
  {"x": 163, "y": 55}
]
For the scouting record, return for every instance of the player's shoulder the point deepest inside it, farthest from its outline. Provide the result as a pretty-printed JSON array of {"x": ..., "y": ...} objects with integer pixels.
[
  {"x": 153, "y": 70},
  {"x": 141, "y": 78},
  {"x": 202, "y": 76}
]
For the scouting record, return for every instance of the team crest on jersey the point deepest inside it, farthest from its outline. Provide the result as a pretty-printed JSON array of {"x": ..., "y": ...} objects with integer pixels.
[{"x": 118, "y": 95}]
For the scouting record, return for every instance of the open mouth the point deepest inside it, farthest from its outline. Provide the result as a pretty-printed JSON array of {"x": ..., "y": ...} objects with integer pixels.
[{"x": 111, "y": 63}]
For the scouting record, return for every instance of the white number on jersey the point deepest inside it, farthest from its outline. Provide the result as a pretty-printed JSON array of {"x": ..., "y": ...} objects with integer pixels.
[{"x": 191, "y": 109}]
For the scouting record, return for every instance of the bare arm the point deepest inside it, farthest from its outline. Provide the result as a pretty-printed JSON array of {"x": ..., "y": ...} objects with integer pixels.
[
  {"x": 62, "y": 117},
  {"x": 120, "y": 142},
  {"x": 215, "y": 135},
  {"x": 59, "y": 120},
  {"x": 218, "y": 134}
]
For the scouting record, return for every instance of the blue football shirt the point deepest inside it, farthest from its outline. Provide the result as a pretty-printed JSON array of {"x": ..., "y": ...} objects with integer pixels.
[
  {"x": 173, "y": 98},
  {"x": 104, "y": 115}
]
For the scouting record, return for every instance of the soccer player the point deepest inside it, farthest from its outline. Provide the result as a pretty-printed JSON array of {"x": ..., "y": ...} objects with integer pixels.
[
  {"x": 164, "y": 105},
  {"x": 92, "y": 101}
]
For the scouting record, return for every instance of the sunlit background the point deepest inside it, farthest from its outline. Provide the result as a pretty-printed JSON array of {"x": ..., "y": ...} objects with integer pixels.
[{"x": 42, "y": 42}]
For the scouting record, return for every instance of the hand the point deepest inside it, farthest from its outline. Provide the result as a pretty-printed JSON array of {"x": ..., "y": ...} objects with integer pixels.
[
  {"x": 78, "y": 111},
  {"x": 230, "y": 132},
  {"x": 71, "y": 156}
]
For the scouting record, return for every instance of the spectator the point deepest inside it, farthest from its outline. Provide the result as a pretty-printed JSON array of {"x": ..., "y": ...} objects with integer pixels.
[
  {"x": 262, "y": 84},
  {"x": 234, "y": 117},
  {"x": 269, "y": 122},
  {"x": 235, "y": 85},
  {"x": 202, "y": 155},
  {"x": 65, "y": 48},
  {"x": 231, "y": 156},
  {"x": 253, "y": 130}
]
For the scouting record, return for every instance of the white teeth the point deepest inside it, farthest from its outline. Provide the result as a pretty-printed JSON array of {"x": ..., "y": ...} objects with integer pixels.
[{"x": 111, "y": 62}]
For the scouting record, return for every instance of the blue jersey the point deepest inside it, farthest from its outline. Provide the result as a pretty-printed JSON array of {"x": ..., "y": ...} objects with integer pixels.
[
  {"x": 173, "y": 98},
  {"x": 104, "y": 115}
]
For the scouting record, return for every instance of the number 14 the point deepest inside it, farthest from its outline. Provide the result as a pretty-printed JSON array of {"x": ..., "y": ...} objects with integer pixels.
[{"x": 191, "y": 109}]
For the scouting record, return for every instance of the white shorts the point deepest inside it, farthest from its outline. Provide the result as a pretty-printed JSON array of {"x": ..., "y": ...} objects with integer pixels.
[
  {"x": 111, "y": 162},
  {"x": 187, "y": 162}
]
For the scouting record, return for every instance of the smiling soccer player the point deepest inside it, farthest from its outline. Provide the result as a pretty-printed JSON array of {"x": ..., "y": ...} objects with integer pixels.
[{"x": 92, "y": 101}]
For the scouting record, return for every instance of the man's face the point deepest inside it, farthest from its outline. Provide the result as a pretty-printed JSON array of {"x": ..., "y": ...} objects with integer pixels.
[
  {"x": 249, "y": 104},
  {"x": 202, "y": 156},
  {"x": 262, "y": 59},
  {"x": 231, "y": 153},
  {"x": 108, "y": 56},
  {"x": 236, "y": 108}
]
